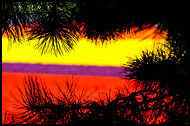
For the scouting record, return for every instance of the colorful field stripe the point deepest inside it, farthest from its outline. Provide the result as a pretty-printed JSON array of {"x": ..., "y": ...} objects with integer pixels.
[
  {"x": 95, "y": 85},
  {"x": 64, "y": 69}
]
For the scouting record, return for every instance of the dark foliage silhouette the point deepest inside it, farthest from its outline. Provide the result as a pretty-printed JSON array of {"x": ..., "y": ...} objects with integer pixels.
[
  {"x": 148, "y": 103},
  {"x": 52, "y": 23},
  {"x": 14, "y": 18},
  {"x": 106, "y": 20},
  {"x": 161, "y": 76},
  {"x": 41, "y": 106},
  {"x": 166, "y": 69},
  {"x": 102, "y": 20},
  {"x": 55, "y": 29}
]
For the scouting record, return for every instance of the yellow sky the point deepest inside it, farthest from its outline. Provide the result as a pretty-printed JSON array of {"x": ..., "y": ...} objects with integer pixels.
[{"x": 85, "y": 52}]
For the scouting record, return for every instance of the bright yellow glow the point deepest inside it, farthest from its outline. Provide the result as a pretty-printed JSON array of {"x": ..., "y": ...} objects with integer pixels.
[{"x": 84, "y": 53}]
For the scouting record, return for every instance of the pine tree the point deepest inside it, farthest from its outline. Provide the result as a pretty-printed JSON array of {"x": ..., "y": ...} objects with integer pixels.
[{"x": 161, "y": 77}]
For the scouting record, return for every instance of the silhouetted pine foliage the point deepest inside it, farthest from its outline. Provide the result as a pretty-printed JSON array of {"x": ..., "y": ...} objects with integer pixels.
[
  {"x": 105, "y": 19},
  {"x": 102, "y": 20},
  {"x": 161, "y": 77},
  {"x": 41, "y": 106},
  {"x": 172, "y": 75},
  {"x": 14, "y": 18},
  {"x": 55, "y": 28},
  {"x": 52, "y": 23},
  {"x": 148, "y": 103},
  {"x": 168, "y": 65}
]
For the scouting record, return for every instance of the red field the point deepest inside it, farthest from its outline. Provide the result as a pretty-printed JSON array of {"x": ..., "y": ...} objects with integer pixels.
[{"x": 95, "y": 85}]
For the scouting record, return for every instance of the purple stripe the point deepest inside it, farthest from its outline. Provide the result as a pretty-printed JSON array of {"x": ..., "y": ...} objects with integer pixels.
[{"x": 64, "y": 69}]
